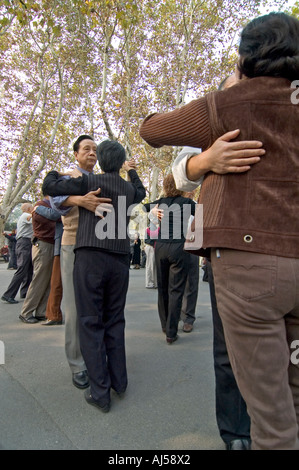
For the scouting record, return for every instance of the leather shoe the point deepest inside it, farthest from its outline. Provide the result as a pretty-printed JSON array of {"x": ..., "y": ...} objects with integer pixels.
[
  {"x": 239, "y": 444},
  {"x": 10, "y": 300},
  {"x": 52, "y": 322},
  {"x": 80, "y": 379},
  {"x": 172, "y": 340},
  {"x": 92, "y": 401},
  {"x": 40, "y": 318},
  {"x": 187, "y": 328},
  {"x": 29, "y": 320}
]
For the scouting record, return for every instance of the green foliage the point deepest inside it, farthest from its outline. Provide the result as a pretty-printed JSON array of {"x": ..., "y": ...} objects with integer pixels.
[
  {"x": 295, "y": 10},
  {"x": 69, "y": 67}
]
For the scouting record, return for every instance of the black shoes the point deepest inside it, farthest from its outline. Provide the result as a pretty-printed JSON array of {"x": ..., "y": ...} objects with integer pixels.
[
  {"x": 10, "y": 300},
  {"x": 29, "y": 320},
  {"x": 80, "y": 379},
  {"x": 239, "y": 444},
  {"x": 172, "y": 340},
  {"x": 51, "y": 323},
  {"x": 93, "y": 402}
]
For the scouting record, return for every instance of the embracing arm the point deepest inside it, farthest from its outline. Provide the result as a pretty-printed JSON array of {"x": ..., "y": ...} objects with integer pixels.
[
  {"x": 54, "y": 185},
  {"x": 222, "y": 157},
  {"x": 47, "y": 212},
  {"x": 91, "y": 202},
  {"x": 225, "y": 157},
  {"x": 187, "y": 125},
  {"x": 78, "y": 189}
]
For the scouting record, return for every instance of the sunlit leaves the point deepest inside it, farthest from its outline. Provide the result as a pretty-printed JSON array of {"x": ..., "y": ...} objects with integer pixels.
[
  {"x": 112, "y": 62},
  {"x": 295, "y": 10}
]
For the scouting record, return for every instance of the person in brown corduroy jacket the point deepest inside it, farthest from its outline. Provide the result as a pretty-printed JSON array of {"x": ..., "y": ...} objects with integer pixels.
[{"x": 251, "y": 223}]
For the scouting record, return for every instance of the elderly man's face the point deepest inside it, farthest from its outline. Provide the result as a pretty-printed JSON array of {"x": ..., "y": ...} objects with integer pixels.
[{"x": 86, "y": 155}]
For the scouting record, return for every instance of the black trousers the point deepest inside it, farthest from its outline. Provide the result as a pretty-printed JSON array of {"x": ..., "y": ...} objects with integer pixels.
[
  {"x": 188, "y": 313},
  {"x": 172, "y": 264},
  {"x": 12, "y": 258},
  {"x": 101, "y": 283},
  {"x": 231, "y": 413},
  {"x": 23, "y": 275}
]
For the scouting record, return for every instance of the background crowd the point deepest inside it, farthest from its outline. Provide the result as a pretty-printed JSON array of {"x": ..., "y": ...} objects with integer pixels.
[{"x": 251, "y": 257}]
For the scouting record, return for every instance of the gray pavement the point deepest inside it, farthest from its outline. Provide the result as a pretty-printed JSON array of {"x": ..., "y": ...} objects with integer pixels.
[{"x": 169, "y": 404}]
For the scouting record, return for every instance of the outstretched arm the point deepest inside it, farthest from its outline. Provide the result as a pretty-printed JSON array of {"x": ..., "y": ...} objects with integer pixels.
[
  {"x": 187, "y": 125},
  {"x": 140, "y": 193},
  {"x": 54, "y": 185}
]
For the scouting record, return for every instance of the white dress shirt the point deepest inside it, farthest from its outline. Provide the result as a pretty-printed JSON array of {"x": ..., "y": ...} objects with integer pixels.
[{"x": 179, "y": 170}]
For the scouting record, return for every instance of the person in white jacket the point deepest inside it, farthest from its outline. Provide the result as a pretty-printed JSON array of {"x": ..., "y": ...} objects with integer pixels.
[
  {"x": 231, "y": 415},
  {"x": 189, "y": 169}
]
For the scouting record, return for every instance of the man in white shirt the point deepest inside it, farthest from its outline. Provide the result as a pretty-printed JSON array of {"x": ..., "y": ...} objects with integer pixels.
[
  {"x": 188, "y": 170},
  {"x": 231, "y": 414}
]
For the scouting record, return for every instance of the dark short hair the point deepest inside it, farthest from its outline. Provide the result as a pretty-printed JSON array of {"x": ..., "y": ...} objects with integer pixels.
[
  {"x": 269, "y": 46},
  {"x": 80, "y": 138},
  {"x": 169, "y": 187},
  {"x": 111, "y": 155}
]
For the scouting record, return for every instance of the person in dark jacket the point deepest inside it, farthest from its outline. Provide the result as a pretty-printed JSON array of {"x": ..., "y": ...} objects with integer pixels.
[
  {"x": 172, "y": 261},
  {"x": 136, "y": 260},
  {"x": 23, "y": 275},
  {"x": 101, "y": 270},
  {"x": 251, "y": 224},
  {"x": 35, "y": 304},
  {"x": 12, "y": 240}
]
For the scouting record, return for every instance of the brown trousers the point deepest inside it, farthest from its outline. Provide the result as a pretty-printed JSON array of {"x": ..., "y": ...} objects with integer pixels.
[
  {"x": 53, "y": 311},
  {"x": 258, "y": 301}
]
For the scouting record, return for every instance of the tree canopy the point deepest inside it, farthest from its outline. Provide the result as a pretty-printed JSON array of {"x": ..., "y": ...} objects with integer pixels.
[{"x": 71, "y": 67}]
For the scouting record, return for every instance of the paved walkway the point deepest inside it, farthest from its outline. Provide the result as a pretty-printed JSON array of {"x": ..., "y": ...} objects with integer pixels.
[{"x": 169, "y": 404}]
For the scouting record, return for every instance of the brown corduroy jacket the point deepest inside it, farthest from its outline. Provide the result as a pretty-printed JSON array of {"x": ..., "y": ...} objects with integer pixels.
[{"x": 258, "y": 210}]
